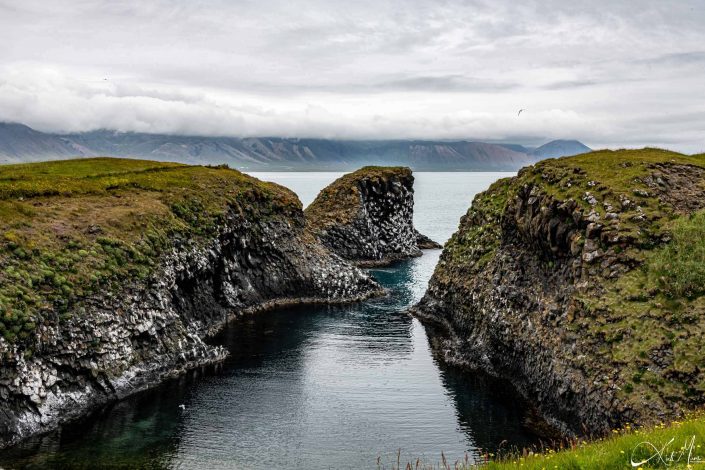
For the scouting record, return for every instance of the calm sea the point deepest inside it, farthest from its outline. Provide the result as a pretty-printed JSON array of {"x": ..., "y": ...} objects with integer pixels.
[{"x": 311, "y": 387}]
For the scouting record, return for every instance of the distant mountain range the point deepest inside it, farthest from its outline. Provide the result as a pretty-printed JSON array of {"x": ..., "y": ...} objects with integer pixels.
[{"x": 19, "y": 143}]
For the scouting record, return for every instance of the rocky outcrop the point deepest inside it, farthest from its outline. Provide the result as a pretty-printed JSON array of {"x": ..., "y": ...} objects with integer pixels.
[
  {"x": 136, "y": 333},
  {"x": 367, "y": 217},
  {"x": 540, "y": 286},
  {"x": 425, "y": 243}
]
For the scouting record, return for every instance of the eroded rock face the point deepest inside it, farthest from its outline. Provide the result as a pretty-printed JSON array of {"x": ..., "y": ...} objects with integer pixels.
[
  {"x": 119, "y": 342},
  {"x": 533, "y": 289},
  {"x": 674, "y": 185},
  {"x": 367, "y": 217},
  {"x": 503, "y": 304}
]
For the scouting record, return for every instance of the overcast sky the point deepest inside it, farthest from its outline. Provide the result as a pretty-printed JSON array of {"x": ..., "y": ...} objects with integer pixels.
[{"x": 610, "y": 73}]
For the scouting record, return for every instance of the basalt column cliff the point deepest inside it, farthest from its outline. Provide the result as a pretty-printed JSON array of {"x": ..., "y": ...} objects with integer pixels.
[
  {"x": 367, "y": 217},
  {"x": 114, "y": 272},
  {"x": 581, "y": 282}
]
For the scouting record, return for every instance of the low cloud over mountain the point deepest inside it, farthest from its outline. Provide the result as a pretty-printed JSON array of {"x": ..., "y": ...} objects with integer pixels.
[
  {"x": 618, "y": 74},
  {"x": 19, "y": 143}
]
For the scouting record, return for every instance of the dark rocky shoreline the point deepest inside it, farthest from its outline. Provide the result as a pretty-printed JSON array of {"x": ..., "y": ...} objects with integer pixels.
[
  {"x": 122, "y": 341},
  {"x": 133, "y": 339}
]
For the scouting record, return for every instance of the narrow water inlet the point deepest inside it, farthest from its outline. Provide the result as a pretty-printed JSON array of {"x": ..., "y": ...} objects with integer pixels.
[
  {"x": 310, "y": 386},
  {"x": 313, "y": 387}
]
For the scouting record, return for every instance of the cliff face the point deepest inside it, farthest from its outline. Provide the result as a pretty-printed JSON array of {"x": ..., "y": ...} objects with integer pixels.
[
  {"x": 122, "y": 294},
  {"x": 579, "y": 281},
  {"x": 367, "y": 216}
]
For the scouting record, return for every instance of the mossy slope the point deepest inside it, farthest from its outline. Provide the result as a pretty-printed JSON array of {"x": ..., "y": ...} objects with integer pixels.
[
  {"x": 116, "y": 272},
  {"x": 71, "y": 228},
  {"x": 581, "y": 280}
]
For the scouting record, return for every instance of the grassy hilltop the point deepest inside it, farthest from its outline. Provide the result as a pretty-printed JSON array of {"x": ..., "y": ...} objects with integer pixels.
[
  {"x": 657, "y": 308},
  {"x": 659, "y": 305},
  {"x": 73, "y": 227},
  {"x": 587, "y": 280}
]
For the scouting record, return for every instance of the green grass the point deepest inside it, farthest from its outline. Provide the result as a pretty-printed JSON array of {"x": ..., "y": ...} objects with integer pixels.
[
  {"x": 679, "y": 268},
  {"x": 72, "y": 228},
  {"x": 678, "y": 445},
  {"x": 474, "y": 245},
  {"x": 658, "y": 306},
  {"x": 675, "y": 443}
]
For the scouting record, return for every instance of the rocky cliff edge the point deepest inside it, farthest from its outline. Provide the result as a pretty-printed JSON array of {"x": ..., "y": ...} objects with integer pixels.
[
  {"x": 581, "y": 282},
  {"x": 114, "y": 272},
  {"x": 367, "y": 217}
]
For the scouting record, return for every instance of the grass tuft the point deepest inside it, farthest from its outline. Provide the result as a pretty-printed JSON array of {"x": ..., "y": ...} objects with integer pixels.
[
  {"x": 679, "y": 445},
  {"x": 679, "y": 267}
]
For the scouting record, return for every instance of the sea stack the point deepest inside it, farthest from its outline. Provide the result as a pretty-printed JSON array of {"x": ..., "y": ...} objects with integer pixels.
[{"x": 366, "y": 217}]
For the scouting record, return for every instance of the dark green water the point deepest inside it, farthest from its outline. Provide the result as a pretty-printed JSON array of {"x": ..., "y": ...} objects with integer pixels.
[{"x": 306, "y": 387}]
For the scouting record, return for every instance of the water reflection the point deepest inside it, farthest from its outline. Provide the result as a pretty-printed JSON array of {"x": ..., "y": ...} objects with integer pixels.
[{"x": 314, "y": 387}]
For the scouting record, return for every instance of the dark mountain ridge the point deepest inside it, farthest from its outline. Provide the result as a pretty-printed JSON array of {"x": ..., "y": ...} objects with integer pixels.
[
  {"x": 20, "y": 143},
  {"x": 560, "y": 148}
]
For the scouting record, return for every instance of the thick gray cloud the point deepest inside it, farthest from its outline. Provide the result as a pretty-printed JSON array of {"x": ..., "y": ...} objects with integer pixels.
[{"x": 612, "y": 73}]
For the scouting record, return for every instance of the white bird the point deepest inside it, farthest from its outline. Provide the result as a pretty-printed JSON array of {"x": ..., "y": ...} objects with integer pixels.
[{"x": 182, "y": 406}]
